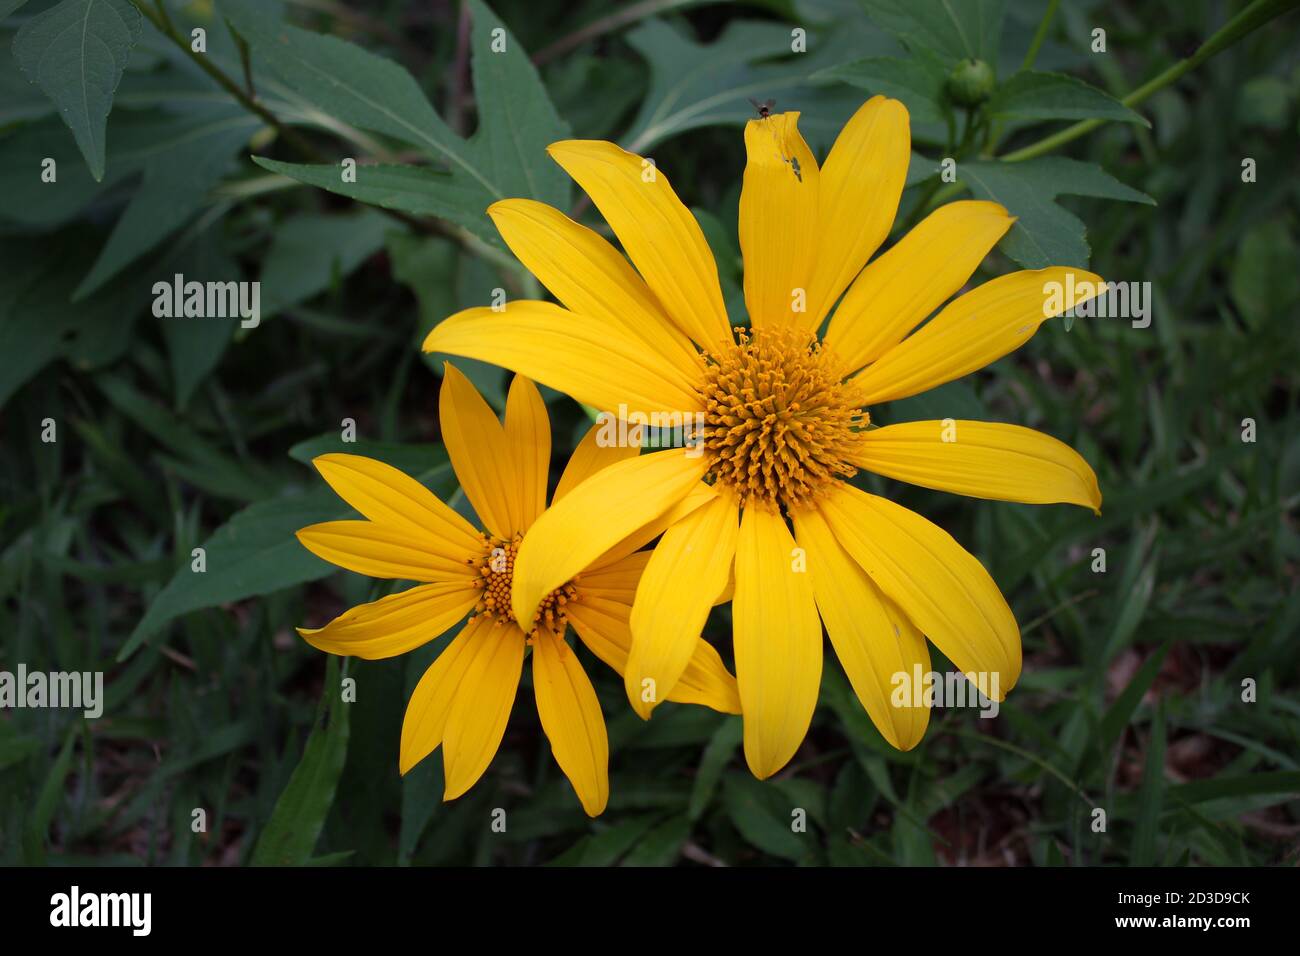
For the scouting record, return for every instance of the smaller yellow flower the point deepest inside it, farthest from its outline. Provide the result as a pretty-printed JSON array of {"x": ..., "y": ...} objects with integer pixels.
[{"x": 464, "y": 699}]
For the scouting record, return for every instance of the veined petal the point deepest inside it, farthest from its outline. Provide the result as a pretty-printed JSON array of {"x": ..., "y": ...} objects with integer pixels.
[
  {"x": 975, "y": 329},
  {"x": 873, "y": 639},
  {"x": 589, "y": 276},
  {"x": 860, "y": 187},
  {"x": 596, "y": 515},
  {"x": 616, "y": 581},
  {"x": 477, "y": 719},
  {"x": 572, "y": 720},
  {"x": 700, "y": 495},
  {"x": 379, "y": 551},
  {"x": 982, "y": 459},
  {"x": 594, "y": 362},
  {"x": 395, "y": 624},
  {"x": 896, "y": 292},
  {"x": 430, "y": 703},
  {"x": 528, "y": 441},
  {"x": 778, "y": 220},
  {"x": 594, "y": 452},
  {"x": 479, "y": 454},
  {"x": 602, "y": 624},
  {"x": 688, "y": 568},
  {"x": 778, "y": 642},
  {"x": 389, "y": 497},
  {"x": 939, "y": 585},
  {"x": 659, "y": 234}
]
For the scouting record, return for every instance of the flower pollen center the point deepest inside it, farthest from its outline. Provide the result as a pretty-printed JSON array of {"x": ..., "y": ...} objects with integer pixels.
[
  {"x": 496, "y": 576},
  {"x": 780, "y": 424}
]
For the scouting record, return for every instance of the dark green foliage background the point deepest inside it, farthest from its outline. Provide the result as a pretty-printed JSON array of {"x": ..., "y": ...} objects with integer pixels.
[{"x": 175, "y": 433}]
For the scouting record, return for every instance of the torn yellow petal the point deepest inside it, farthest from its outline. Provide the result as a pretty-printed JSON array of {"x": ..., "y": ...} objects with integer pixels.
[
  {"x": 778, "y": 642},
  {"x": 900, "y": 289},
  {"x": 975, "y": 329},
  {"x": 659, "y": 234},
  {"x": 778, "y": 220},
  {"x": 983, "y": 460},
  {"x": 395, "y": 624},
  {"x": 572, "y": 720}
]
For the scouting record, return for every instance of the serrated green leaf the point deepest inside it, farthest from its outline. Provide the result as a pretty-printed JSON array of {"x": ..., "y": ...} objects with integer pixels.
[
  {"x": 1045, "y": 234},
  {"x": 915, "y": 81},
  {"x": 506, "y": 157},
  {"x": 1035, "y": 95},
  {"x": 76, "y": 52}
]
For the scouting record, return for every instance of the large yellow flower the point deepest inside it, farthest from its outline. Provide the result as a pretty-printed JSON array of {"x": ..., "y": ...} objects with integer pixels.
[
  {"x": 464, "y": 698},
  {"x": 784, "y": 415}
]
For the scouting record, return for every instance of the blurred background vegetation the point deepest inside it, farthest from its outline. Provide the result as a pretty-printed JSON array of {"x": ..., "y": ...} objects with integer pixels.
[{"x": 178, "y": 433}]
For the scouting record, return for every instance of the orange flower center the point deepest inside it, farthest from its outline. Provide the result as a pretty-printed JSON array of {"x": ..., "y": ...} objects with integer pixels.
[
  {"x": 780, "y": 425},
  {"x": 496, "y": 570}
]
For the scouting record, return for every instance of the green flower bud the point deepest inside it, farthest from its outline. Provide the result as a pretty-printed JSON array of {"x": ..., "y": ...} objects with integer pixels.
[{"x": 970, "y": 82}]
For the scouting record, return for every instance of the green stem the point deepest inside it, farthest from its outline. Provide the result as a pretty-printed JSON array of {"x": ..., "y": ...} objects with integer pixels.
[
  {"x": 1040, "y": 35},
  {"x": 1250, "y": 19}
]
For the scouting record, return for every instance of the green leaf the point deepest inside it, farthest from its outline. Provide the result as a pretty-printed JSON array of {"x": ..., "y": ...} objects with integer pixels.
[
  {"x": 1045, "y": 234},
  {"x": 506, "y": 156},
  {"x": 417, "y": 190},
  {"x": 311, "y": 251},
  {"x": 1151, "y": 795},
  {"x": 9, "y": 6},
  {"x": 256, "y": 552},
  {"x": 1035, "y": 95},
  {"x": 76, "y": 52},
  {"x": 1264, "y": 282},
  {"x": 1126, "y": 704},
  {"x": 918, "y": 82},
  {"x": 48, "y": 800},
  {"x": 290, "y": 835},
  {"x": 763, "y": 817},
  {"x": 954, "y": 29},
  {"x": 717, "y": 754},
  {"x": 175, "y": 186},
  {"x": 195, "y": 346}
]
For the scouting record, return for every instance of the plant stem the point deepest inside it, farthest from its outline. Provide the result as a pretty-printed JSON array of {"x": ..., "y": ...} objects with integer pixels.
[
  {"x": 1250, "y": 19},
  {"x": 1040, "y": 35}
]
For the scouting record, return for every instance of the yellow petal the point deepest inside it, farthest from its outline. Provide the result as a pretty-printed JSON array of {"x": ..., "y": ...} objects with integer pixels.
[
  {"x": 873, "y": 639},
  {"x": 571, "y": 718},
  {"x": 395, "y": 624},
  {"x": 528, "y": 442},
  {"x": 430, "y": 703},
  {"x": 596, "y": 515},
  {"x": 593, "y": 453},
  {"x": 699, "y": 495},
  {"x": 380, "y": 552},
  {"x": 686, "y": 571},
  {"x": 389, "y": 497},
  {"x": 602, "y": 624},
  {"x": 860, "y": 187},
  {"x": 975, "y": 329},
  {"x": 982, "y": 459},
  {"x": 589, "y": 276},
  {"x": 897, "y": 291},
  {"x": 594, "y": 362},
  {"x": 939, "y": 585},
  {"x": 480, "y": 455},
  {"x": 778, "y": 642},
  {"x": 778, "y": 220},
  {"x": 658, "y": 233},
  {"x": 616, "y": 580},
  {"x": 477, "y": 719}
]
